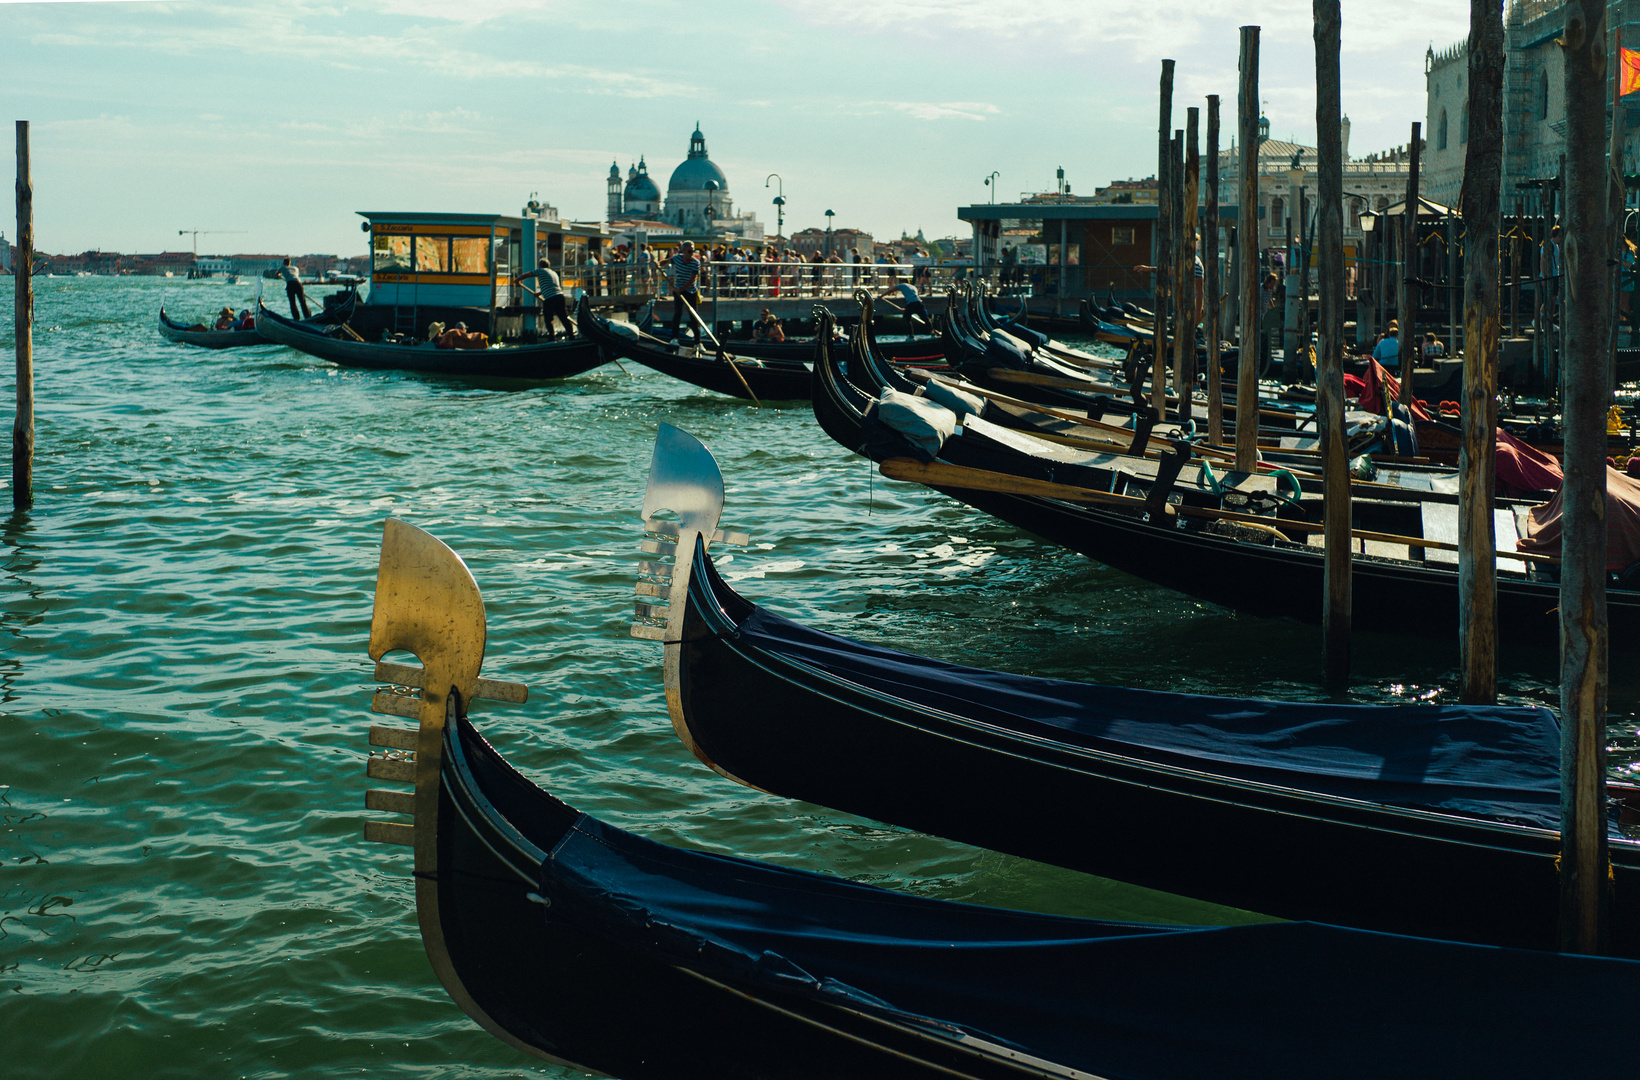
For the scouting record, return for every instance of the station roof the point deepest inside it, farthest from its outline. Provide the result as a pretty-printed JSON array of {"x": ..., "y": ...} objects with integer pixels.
[{"x": 500, "y": 221}]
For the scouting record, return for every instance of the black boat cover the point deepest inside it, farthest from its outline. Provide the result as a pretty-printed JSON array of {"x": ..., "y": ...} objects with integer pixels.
[
  {"x": 1270, "y": 1001},
  {"x": 1492, "y": 762}
]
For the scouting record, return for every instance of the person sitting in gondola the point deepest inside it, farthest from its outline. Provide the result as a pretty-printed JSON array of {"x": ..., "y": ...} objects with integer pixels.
[
  {"x": 458, "y": 337},
  {"x": 768, "y": 328},
  {"x": 224, "y": 319},
  {"x": 1388, "y": 350},
  {"x": 914, "y": 308},
  {"x": 246, "y": 321}
]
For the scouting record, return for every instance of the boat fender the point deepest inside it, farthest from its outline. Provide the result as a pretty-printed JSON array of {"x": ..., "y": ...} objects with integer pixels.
[
  {"x": 958, "y": 401},
  {"x": 919, "y": 421},
  {"x": 1034, "y": 338},
  {"x": 1005, "y": 350}
]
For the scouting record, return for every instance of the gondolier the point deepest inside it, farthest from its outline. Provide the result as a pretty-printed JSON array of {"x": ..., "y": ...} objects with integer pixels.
[
  {"x": 684, "y": 271},
  {"x": 551, "y": 293},
  {"x": 913, "y": 307},
  {"x": 293, "y": 290}
]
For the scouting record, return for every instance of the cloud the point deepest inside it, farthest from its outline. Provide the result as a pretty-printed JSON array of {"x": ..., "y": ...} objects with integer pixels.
[{"x": 950, "y": 110}]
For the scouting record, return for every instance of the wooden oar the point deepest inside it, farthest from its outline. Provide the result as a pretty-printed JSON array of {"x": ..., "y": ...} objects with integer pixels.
[
  {"x": 941, "y": 474},
  {"x": 721, "y": 354}
]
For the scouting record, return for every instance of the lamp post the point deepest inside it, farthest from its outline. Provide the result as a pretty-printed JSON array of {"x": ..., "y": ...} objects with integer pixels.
[
  {"x": 779, "y": 205},
  {"x": 829, "y": 216},
  {"x": 711, "y": 186},
  {"x": 1369, "y": 222},
  {"x": 990, "y": 182}
]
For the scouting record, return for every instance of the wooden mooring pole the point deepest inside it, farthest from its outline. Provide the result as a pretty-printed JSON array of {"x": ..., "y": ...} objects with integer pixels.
[
  {"x": 1190, "y": 287},
  {"x": 1210, "y": 267},
  {"x": 1181, "y": 295},
  {"x": 1163, "y": 241},
  {"x": 1477, "y": 452},
  {"x": 1247, "y": 109},
  {"x": 1406, "y": 304},
  {"x": 22, "y": 428},
  {"x": 1329, "y": 377},
  {"x": 1586, "y": 302}
]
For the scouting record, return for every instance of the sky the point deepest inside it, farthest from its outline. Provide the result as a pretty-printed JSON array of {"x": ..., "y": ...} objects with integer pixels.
[{"x": 267, "y": 124}]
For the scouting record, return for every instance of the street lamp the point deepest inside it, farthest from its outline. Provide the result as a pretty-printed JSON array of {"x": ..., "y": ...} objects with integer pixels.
[
  {"x": 779, "y": 205},
  {"x": 990, "y": 182},
  {"x": 711, "y": 186},
  {"x": 829, "y": 216}
]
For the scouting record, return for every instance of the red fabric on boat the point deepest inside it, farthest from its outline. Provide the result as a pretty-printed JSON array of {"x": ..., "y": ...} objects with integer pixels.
[
  {"x": 1365, "y": 394},
  {"x": 1622, "y": 523},
  {"x": 1521, "y": 468},
  {"x": 1389, "y": 382}
]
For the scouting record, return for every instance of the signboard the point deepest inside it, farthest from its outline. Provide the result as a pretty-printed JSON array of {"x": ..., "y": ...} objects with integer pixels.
[{"x": 1031, "y": 254}]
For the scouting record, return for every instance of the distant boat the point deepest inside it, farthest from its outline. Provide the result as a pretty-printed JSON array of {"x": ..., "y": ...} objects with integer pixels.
[
  {"x": 186, "y": 334},
  {"x": 338, "y": 344}
]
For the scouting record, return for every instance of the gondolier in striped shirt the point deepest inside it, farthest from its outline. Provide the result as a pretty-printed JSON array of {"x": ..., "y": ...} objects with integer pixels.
[{"x": 683, "y": 269}]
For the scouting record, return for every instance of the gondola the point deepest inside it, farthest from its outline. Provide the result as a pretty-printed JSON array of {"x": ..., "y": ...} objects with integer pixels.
[
  {"x": 545, "y": 360},
  {"x": 585, "y": 945},
  {"x": 728, "y": 373},
  {"x": 1131, "y": 516},
  {"x": 926, "y": 351},
  {"x": 1433, "y": 820},
  {"x": 184, "y": 334},
  {"x": 171, "y": 330}
]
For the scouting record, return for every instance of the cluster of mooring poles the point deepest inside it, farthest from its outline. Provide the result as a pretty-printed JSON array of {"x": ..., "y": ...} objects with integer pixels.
[
  {"x": 1593, "y": 201},
  {"x": 22, "y": 428}
]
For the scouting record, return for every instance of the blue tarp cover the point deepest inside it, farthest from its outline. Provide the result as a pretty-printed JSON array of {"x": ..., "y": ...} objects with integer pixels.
[
  {"x": 1271, "y": 1001},
  {"x": 1494, "y": 762}
]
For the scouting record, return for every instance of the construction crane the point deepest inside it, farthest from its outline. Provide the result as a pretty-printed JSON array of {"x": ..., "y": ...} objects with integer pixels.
[{"x": 197, "y": 233}]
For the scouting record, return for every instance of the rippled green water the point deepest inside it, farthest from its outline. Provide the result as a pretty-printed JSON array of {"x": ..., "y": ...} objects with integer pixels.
[{"x": 186, "y": 692}]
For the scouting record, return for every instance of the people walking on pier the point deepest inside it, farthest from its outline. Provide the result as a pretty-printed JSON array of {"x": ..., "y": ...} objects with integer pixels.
[
  {"x": 684, "y": 268},
  {"x": 293, "y": 290}
]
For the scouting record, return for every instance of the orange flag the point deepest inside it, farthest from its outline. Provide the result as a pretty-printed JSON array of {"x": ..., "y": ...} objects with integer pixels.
[{"x": 1628, "y": 75}]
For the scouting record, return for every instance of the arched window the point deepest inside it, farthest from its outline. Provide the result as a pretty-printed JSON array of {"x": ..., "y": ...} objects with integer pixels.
[
  {"x": 1543, "y": 95},
  {"x": 1277, "y": 213},
  {"x": 1463, "y": 125},
  {"x": 1356, "y": 206},
  {"x": 1383, "y": 203},
  {"x": 1440, "y": 132}
]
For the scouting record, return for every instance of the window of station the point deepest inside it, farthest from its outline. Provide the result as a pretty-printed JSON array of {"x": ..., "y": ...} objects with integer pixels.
[
  {"x": 432, "y": 254},
  {"x": 390, "y": 254},
  {"x": 467, "y": 255}
]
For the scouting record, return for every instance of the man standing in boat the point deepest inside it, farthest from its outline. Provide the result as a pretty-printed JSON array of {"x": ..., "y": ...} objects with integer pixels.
[
  {"x": 554, "y": 309},
  {"x": 293, "y": 290},
  {"x": 914, "y": 308},
  {"x": 683, "y": 269}
]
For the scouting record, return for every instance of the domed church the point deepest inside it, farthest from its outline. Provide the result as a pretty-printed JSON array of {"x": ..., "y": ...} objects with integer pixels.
[
  {"x": 697, "y": 197},
  {"x": 696, "y": 185},
  {"x": 638, "y": 197}
]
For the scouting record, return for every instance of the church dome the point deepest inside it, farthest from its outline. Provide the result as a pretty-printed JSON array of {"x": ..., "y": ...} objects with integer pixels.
[
  {"x": 697, "y": 168},
  {"x": 640, "y": 188}
]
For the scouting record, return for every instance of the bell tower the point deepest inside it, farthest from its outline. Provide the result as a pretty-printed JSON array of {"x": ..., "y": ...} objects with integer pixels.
[{"x": 614, "y": 191}]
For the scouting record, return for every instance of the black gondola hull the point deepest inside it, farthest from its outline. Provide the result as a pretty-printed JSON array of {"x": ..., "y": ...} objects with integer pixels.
[{"x": 786, "y": 728}]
